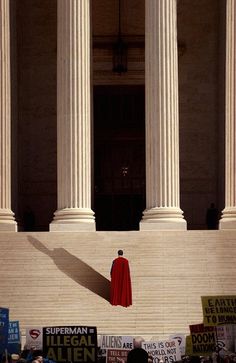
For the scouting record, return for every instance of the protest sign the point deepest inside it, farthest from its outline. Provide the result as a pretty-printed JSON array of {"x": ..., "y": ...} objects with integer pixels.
[
  {"x": 219, "y": 310},
  {"x": 166, "y": 350},
  {"x": 203, "y": 343},
  {"x": 4, "y": 323},
  {"x": 117, "y": 355},
  {"x": 200, "y": 328},
  {"x": 203, "y": 339},
  {"x": 188, "y": 345},
  {"x": 70, "y": 344},
  {"x": 181, "y": 340},
  {"x": 116, "y": 342},
  {"x": 14, "y": 344},
  {"x": 225, "y": 337},
  {"x": 34, "y": 338}
]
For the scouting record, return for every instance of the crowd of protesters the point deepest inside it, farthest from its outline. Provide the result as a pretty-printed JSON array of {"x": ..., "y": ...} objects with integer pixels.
[
  {"x": 136, "y": 355},
  {"x": 27, "y": 356}
]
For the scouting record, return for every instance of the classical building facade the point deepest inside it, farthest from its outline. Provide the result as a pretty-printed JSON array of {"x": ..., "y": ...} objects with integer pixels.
[{"x": 86, "y": 145}]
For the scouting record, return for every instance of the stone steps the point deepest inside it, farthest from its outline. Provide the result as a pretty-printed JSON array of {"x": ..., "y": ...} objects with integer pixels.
[{"x": 63, "y": 278}]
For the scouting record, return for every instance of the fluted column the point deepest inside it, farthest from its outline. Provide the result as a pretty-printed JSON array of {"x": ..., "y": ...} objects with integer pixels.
[
  {"x": 74, "y": 118},
  {"x": 162, "y": 118},
  {"x": 228, "y": 220},
  {"x": 7, "y": 221}
]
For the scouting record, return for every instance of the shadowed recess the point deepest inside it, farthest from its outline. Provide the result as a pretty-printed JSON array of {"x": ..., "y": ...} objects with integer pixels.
[{"x": 76, "y": 269}]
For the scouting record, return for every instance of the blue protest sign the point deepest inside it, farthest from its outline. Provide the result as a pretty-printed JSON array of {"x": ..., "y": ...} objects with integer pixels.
[
  {"x": 4, "y": 322},
  {"x": 13, "y": 346}
]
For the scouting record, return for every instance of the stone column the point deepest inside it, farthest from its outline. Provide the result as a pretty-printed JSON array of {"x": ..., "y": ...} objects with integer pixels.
[
  {"x": 7, "y": 221},
  {"x": 228, "y": 219},
  {"x": 74, "y": 118},
  {"x": 162, "y": 118}
]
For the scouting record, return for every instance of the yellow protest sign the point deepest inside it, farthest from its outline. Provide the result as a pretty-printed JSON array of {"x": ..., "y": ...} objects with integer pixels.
[
  {"x": 219, "y": 310},
  {"x": 188, "y": 346},
  {"x": 203, "y": 343},
  {"x": 202, "y": 340}
]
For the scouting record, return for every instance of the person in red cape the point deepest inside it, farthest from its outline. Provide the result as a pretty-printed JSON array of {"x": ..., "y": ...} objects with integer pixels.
[{"x": 121, "y": 291}]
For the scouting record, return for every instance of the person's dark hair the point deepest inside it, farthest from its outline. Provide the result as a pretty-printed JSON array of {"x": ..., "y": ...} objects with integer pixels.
[
  {"x": 4, "y": 358},
  {"x": 137, "y": 355},
  {"x": 120, "y": 253}
]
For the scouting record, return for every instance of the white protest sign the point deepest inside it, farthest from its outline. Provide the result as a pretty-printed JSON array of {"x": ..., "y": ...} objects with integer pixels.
[
  {"x": 181, "y": 340},
  {"x": 225, "y": 337},
  {"x": 34, "y": 338},
  {"x": 166, "y": 351},
  {"x": 115, "y": 342}
]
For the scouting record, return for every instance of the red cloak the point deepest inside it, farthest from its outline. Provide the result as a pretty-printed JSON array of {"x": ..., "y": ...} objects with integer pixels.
[{"x": 121, "y": 292}]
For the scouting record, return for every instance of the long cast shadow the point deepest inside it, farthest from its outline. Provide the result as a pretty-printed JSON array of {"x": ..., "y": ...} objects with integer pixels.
[{"x": 76, "y": 269}]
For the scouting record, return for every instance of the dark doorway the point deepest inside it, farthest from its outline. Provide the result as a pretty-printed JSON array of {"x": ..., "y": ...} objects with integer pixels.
[{"x": 119, "y": 157}]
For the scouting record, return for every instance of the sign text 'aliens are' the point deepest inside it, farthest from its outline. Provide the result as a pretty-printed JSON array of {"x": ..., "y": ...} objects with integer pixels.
[
  {"x": 70, "y": 344},
  {"x": 219, "y": 310}
]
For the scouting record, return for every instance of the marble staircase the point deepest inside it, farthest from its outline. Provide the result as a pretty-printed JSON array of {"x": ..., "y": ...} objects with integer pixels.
[{"x": 63, "y": 278}]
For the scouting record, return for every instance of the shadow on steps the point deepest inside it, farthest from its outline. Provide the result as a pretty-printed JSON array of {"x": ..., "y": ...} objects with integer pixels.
[{"x": 76, "y": 269}]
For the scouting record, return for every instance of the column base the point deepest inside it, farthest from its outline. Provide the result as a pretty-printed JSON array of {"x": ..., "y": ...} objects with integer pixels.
[
  {"x": 73, "y": 220},
  {"x": 228, "y": 219},
  {"x": 163, "y": 218},
  {"x": 7, "y": 221}
]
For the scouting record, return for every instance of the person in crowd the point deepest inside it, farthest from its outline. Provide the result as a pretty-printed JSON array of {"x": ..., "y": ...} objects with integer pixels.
[
  {"x": 137, "y": 355},
  {"x": 121, "y": 291},
  {"x": 33, "y": 357},
  {"x": 15, "y": 358},
  {"x": 138, "y": 342},
  {"x": 6, "y": 358}
]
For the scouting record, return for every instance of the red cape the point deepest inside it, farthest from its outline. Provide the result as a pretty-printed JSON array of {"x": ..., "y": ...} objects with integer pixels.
[{"x": 121, "y": 292}]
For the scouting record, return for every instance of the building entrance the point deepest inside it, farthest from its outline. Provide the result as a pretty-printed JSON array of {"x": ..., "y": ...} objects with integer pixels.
[{"x": 119, "y": 157}]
